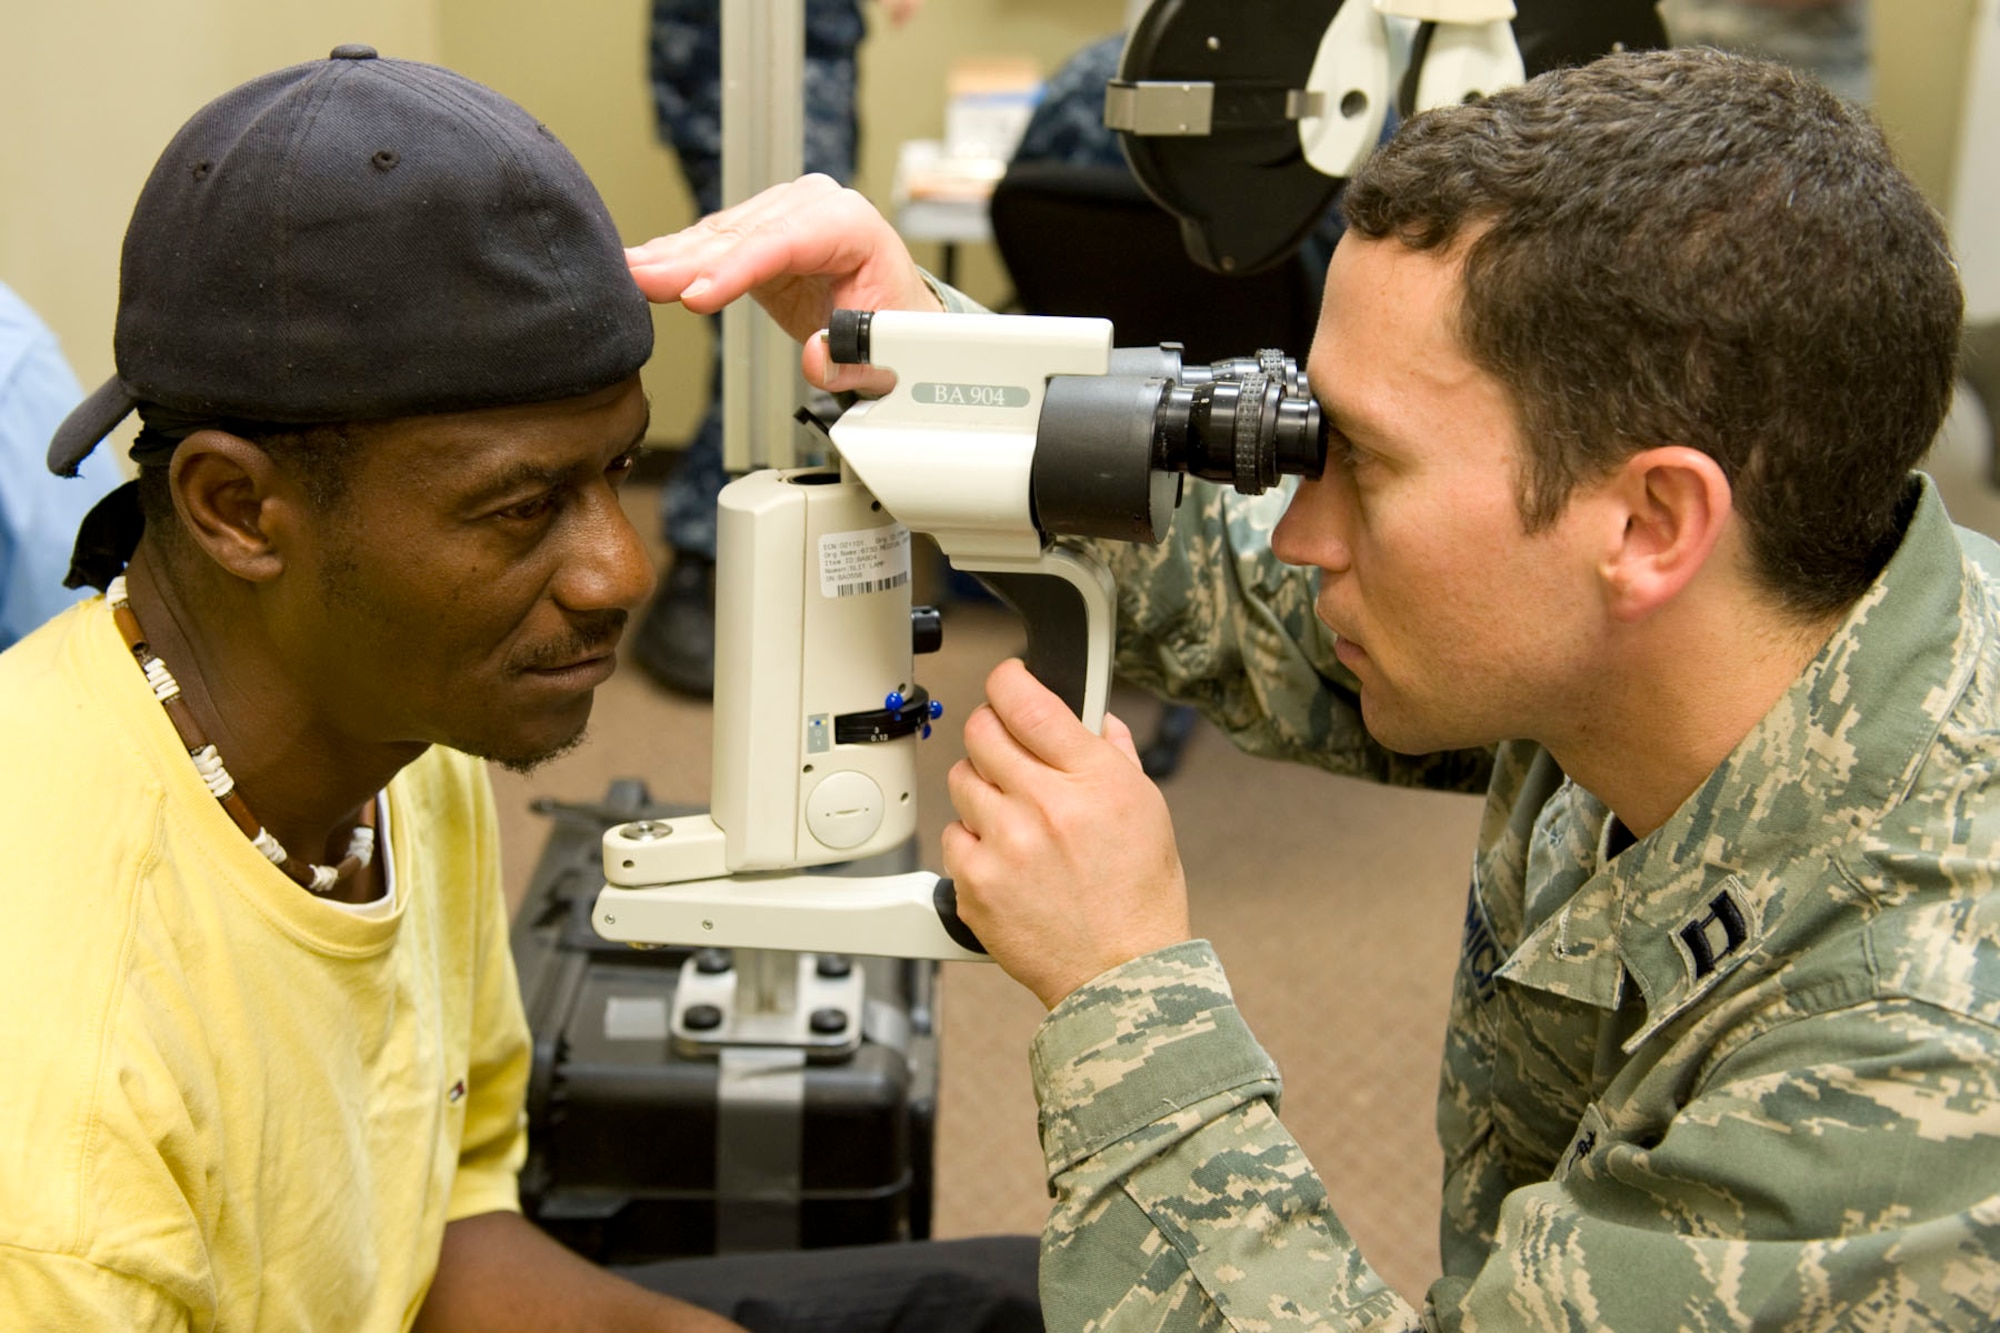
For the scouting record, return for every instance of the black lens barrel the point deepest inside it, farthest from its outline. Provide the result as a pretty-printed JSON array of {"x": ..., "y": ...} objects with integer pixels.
[
  {"x": 1111, "y": 449},
  {"x": 1244, "y": 423}
]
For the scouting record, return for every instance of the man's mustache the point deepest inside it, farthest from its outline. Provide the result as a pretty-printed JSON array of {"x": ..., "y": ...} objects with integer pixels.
[{"x": 591, "y": 634}]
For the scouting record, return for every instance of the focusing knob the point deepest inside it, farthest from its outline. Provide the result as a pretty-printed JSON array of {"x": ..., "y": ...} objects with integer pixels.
[
  {"x": 1284, "y": 371},
  {"x": 1245, "y": 437},
  {"x": 847, "y": 336}
]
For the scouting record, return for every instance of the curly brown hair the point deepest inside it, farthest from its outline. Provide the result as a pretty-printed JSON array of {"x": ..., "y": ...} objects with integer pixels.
[{"x": 1688, "y": 247}]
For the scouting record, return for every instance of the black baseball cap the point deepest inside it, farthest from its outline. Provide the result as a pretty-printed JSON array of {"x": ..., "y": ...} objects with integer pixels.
[{"x": 362, "y": 239}]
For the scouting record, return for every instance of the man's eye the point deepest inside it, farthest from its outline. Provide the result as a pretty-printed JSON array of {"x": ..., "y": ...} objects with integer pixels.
[
  {"x": 1338, "y": 447},
  {"x": 621, "y": 466},
  {"x": 530, "y": 510}
]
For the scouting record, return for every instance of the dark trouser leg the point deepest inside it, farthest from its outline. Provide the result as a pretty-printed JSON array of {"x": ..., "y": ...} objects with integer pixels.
[
  {"x": 686, "y": 66},
  {"x": 687, "y": 502},
  {"x": 675, "y": 639},
  {"x": 982, "y": 1285}
]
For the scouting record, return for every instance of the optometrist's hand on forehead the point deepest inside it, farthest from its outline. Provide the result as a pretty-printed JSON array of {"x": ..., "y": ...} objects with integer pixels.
[
  {"x": 1063, "y": 853},
  {"x": 802, "y": 249}
]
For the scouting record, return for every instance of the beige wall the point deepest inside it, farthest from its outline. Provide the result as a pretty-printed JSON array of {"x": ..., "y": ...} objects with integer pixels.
[
  {"x": 903, "y": 78},
  {"x": 95, "y": 88},
  {"x": 582, "y": 69},
  {"x": 1921, "y": 51}
]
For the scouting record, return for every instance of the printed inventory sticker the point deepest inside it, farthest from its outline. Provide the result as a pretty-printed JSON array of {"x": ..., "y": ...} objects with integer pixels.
[{"x": 869, "y": 560}]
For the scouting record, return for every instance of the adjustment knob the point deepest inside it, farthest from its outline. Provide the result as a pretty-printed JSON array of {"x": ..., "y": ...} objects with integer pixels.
[{"x": 926, "y": 629}]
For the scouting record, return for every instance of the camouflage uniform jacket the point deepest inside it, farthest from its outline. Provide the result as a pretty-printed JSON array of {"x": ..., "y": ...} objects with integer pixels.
[{"x": 1743, "y": 1073}]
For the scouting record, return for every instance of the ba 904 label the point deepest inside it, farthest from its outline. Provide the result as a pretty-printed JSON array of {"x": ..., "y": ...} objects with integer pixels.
[{"x": 934, "y": 393}]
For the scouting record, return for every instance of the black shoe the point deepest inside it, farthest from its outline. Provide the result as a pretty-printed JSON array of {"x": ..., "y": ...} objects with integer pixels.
[
  {"x": 1162, "y": 755},
  {"x": 675, "y": 642}
]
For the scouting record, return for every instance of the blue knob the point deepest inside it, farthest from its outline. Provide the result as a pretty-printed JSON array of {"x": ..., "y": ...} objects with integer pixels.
[
  {"x": 937, "y": 709},
  {"x": 894, "y": 703},
  {"x": 925, "y": 734}
]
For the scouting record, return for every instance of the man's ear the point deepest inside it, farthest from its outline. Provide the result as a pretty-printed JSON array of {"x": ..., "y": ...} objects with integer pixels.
[
  {"x": 234, "y": 502},
  {"x": 1674, "y": 504}
]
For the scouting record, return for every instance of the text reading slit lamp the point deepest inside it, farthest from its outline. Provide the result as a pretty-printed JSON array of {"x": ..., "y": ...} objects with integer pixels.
[{"x": 1003, "y": 435}]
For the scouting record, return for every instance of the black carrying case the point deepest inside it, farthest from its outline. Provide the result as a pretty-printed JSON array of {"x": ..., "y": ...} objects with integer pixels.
[{"x": 637, "y": 1151}]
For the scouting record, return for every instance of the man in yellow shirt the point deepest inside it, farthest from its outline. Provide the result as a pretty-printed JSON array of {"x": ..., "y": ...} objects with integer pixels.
[{"x": 265, "y": 1051}]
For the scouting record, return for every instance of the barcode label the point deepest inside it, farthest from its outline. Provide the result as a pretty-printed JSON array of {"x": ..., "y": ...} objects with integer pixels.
[
  {"x": 871, "y": 585},
  {"x": 869, "y": 560}
]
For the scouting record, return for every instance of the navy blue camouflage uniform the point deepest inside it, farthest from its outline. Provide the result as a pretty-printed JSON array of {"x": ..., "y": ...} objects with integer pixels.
[{"x": 686, "y": 71}]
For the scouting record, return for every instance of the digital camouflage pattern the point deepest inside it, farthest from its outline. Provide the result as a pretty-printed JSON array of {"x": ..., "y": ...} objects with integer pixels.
[
  {"x": 684, "y": 62},
  {"x": 1068, "y": 122},
  {"x": 1741, "y": 1074}
]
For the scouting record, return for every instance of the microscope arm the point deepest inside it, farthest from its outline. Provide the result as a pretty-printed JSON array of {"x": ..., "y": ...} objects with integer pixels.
[{"x": 912, "y": 915}]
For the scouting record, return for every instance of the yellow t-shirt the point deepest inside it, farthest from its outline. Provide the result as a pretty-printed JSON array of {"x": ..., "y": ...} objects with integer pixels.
[{"x": 225, "y": 1104}]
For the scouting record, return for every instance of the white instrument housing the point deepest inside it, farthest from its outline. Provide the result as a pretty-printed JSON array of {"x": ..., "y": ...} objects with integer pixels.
[
  {"x": 1472, "y": 52},
  {"x": 813, "y": 627}
]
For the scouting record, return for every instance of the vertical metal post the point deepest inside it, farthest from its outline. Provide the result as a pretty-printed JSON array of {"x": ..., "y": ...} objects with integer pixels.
[{"x": 763, "y": 144}]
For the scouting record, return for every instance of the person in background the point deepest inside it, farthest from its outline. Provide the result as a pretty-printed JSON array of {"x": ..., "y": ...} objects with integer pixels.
[
  {"x": 675, "y": 639},
  {"x": 38, "y": 513}
]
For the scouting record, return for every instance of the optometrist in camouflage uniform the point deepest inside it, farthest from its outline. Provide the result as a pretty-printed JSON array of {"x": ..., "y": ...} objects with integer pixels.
[
  {"x": 1740, "y": 1073},
  {"x": 1744, "y": 1071},
  {"x": 1626, "y": 372}
]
